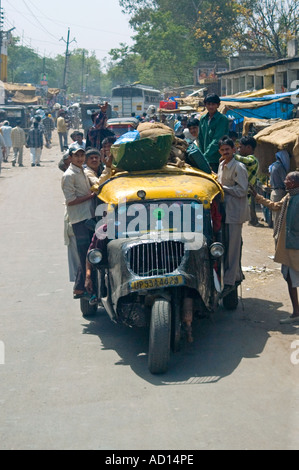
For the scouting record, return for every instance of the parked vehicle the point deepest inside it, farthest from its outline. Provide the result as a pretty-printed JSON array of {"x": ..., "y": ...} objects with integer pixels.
[
  {"x": 136, "y": 99},
  {"x": 122, "y": 125},
  {"x": 157, "y": 269},
  {"x": 13, "y": 114}
]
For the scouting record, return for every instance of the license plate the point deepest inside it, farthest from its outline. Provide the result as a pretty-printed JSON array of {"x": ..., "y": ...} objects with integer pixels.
[{"x": 157, "y": 282}]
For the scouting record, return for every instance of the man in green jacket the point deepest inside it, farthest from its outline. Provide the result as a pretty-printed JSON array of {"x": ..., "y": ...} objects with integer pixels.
[{"x": 212, "y": 127}]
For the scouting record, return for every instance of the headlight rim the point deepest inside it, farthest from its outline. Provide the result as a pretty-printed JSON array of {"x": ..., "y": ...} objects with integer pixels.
[
  {"x": 92, "y": 254},
  {"x": 215, "y": 246}
]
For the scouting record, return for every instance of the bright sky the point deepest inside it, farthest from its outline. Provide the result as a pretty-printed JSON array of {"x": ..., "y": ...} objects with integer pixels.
[{"x": 97, "y": 25}]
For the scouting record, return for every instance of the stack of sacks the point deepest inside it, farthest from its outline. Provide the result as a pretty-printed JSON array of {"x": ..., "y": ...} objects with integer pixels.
[{"x": 154, "y": 129}]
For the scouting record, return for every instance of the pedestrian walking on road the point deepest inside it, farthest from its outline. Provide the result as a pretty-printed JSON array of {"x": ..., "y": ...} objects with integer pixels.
[
  {"x": 2, "y": 150},
  {"x": 6, "y": 132},
  {"x": 18, "y": 139},
  {"x": 35, "y": 143},
  {"x": 62, "y": 130},
  {"x": 49, "y": 126},
  {"x": 287, "y": 232}
]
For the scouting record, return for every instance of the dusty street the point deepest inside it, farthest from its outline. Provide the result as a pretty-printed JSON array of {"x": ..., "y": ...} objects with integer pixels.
[{"x": 71, "y": 383}]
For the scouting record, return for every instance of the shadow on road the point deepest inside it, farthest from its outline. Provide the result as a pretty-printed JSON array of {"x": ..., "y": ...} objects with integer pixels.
[{"x": 220, "y": 343}]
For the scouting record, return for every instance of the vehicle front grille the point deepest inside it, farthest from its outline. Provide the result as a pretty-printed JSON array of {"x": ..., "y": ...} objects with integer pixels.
[{"x": 156, "y": 258}]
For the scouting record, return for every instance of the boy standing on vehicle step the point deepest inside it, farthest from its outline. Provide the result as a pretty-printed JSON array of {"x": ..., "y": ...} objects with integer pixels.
[
  {"x": 233, "y": 177},
  {"x": 80, "y": 208}
]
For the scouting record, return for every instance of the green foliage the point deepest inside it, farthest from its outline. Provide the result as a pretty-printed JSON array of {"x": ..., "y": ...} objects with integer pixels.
[
  {"x": 270, "y": 24},
  {"x": 25, "y": 66},
  {"x": 171, "y": 38}
]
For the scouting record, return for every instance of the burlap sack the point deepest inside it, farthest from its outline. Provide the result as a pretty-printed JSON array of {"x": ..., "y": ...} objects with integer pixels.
[{"x": 152, "y": 130}]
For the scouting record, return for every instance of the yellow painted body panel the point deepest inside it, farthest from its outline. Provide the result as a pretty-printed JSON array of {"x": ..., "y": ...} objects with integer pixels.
[{"x": 167, "y": 183}]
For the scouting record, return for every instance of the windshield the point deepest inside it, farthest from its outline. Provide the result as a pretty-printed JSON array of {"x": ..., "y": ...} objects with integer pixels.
[
  {"x": 165, "y": 217},
  {"x": 120, "y": 129}
]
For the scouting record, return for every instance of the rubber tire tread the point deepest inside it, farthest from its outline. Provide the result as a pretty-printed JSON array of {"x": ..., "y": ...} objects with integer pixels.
[
  {"x": 159, "y": 337},
  {"x": 86, "y": 309}
]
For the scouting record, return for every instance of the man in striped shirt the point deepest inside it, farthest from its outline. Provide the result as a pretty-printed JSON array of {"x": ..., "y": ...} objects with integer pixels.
[{"x": 246, "y": 156}]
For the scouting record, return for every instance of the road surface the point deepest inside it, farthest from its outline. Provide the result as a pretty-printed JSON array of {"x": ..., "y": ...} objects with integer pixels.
[{"x": 71, "y": 383}]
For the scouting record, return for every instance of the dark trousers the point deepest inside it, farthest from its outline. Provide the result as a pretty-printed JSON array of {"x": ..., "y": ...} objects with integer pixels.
[
  {"x": 83, "y": 239},
  {"x": 214, "y": 167}
]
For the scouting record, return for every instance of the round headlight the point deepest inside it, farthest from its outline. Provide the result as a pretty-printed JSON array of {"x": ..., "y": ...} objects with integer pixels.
[
  {"x": 141, "y": 194},
  {"x": 95, "y": 256},
  {"x": 217, "y": 250}
]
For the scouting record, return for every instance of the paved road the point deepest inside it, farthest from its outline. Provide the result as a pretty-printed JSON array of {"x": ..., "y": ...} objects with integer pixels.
[{"x": 69, "y": 383}]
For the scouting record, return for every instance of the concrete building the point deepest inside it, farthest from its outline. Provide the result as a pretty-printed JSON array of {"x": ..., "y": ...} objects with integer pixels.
[{"x": 280, "y": 75}]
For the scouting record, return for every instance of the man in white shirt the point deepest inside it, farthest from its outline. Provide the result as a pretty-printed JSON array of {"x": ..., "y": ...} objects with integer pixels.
[
  {"x": 6, "y": 132},
  {"x": 2, "y": 150},
  {"x": 233, "y": 177},
  {"x": 80, "y": 208}
]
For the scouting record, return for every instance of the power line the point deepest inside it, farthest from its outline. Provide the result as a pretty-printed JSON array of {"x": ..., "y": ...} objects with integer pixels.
[
  {"x": 48, "y": 32},
  {"x": 57, "y": 21}
]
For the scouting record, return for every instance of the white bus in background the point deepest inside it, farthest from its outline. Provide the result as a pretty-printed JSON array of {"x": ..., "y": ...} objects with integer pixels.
[{"x": 136, "y": 99}]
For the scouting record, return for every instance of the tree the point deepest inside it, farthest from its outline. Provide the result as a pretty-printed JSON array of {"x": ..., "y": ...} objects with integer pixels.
[
  {"x": 174, "y": 36},
  {"x": 124, "y": 66},
  {"x": 216, "y": 23},
  {"x": 24, "y": 65},
  {"x": 270, "y": 24}
]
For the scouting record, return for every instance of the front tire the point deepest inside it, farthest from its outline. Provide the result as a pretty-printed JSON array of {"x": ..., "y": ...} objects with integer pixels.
[
  {"x": 86, "y": 309},
  {"x": 159, "y": 338}
]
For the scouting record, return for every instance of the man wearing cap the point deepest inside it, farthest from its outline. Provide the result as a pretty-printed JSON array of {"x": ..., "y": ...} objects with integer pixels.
[
  {"x": 212, "y": 127},
  {"x": 49, "y": 128},
  {"x": 65, "y": 161},
  {"x": 80, "y": 208}
]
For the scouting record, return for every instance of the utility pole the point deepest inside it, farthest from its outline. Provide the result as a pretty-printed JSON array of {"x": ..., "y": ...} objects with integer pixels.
[
  {"x": 67, "y": 56},
  {"x": 83, "y": 65},
  {"x": 5, "y": 36}
]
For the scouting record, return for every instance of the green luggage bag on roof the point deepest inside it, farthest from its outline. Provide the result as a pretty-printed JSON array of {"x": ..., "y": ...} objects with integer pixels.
[{"x": 144, "y": 154}]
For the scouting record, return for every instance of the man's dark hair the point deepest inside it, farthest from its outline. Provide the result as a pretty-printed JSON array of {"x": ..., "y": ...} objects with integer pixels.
[
  {"x": 73, "y": 134},
  {"x": 92, "y": 151},
  {"x": 212, "y": 98},
  {"x": 232, "y": 134},
  {"x": 294, "y": 176},
  {"x": 247, "y": 140},
  {"x": 111, "y": 139},
  {"x": 193, "y": 122},
  {"x": 226, "y": 141}
]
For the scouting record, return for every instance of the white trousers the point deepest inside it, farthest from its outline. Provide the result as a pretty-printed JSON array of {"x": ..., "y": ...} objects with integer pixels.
[{"x": 35, "y": 154}]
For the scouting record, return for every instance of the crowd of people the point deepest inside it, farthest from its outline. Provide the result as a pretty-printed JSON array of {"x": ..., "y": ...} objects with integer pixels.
[{"x": 86, "y": 162}]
